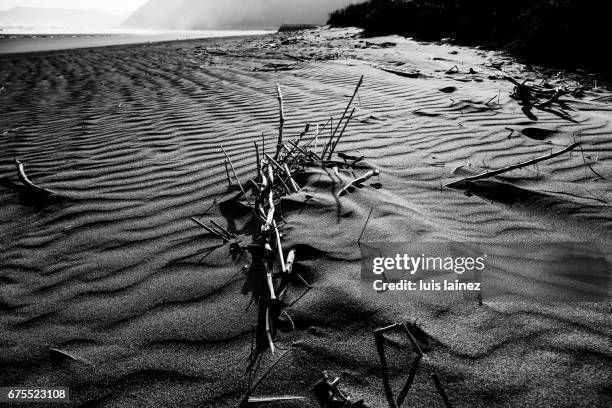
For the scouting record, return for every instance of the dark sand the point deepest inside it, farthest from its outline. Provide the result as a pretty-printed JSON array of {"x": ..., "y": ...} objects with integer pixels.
[{"x": 117, "y": 274}]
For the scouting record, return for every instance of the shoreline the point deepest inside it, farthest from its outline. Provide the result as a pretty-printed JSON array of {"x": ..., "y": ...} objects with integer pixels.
[{"x": 11, "y": 44}]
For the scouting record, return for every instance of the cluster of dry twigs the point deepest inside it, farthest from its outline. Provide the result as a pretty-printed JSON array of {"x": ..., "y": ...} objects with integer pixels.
[
  {"x": 271, "y": 267},
  {"x": 541, "y": 97}
]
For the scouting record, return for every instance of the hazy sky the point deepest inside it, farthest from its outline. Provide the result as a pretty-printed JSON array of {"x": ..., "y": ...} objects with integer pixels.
[{"x": 111, "y": 6}]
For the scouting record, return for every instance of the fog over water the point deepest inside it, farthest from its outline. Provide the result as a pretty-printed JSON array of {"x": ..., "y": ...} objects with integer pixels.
[
  {"x": 163, "y": 14},
  {"x": 214, "y": 14}
]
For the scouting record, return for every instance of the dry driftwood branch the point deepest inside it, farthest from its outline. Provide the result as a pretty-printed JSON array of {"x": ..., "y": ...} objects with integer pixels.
[
  {"x": 461, "y": 184},
  {"x": 269, "y": 274},
  {"x": 257, "y": 160},
  {"x": 270, "y": 215},
  {"x": 281, "y": 124},
  {"x": 279, "y": 246},
  {"x": 441, "y": 391},
  {"x": 296, "y": 188},
  {"x": 359, "y": 180},
  {"x": 28, "y": 183},
  {"x": 269, "y": 332},
  {"x": 287, "y": 271},
  {"x": 290, "y": 261}
]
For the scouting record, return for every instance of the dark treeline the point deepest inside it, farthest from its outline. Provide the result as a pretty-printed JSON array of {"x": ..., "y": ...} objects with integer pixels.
[{"x": 567, "y": 33}]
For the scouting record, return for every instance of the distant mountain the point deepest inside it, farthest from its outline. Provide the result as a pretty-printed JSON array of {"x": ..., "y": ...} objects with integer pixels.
[
  {"x": 53, "y": 17},
  {"x": 211, "y": 14}
]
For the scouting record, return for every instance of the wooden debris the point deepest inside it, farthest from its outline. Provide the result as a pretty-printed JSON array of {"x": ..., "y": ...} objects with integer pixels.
[
  {"x": 268, "y": 274},
  {"x": 463, "y": 183},
  {"x": 329, "y": 395},
  {"x": 268, "y": 400},
  {"x": 358, "y": 181},
  {"x": 68, "y": 355},
  {"x": 281, "y": 124},
  {"x": 28, "y": 184}
]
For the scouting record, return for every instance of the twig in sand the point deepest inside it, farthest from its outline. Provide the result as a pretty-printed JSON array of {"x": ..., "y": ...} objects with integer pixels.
[
  {"x": 416, "y": 346},
  {"x": 269, "y": 331},
  {"x": 70, "y": 355},
  {"x": 207, "y": 228},
  {"x": 238, "y": 180},
  {"x": 290, "y": 261},
  {"x": 245, "y": 400},
  {"x": 380, "y": 347},
  {"x": 28, "y": 183},
  {"x": 461, "y": 184},
  {"x": 438, "y": 385},
  {"x": 331, "y": 151},
  {"x": 229, "y": 180},
  {"x": 296, "y": 188},
  {"x": 281, "y": 124},
  {"x": 411, "y": 376},
  {"x": 586, "y": 163},
  {"x": 224, "y": 230},
  {"x": 257, "y": 160},
  {"x": 359, "y": 180},
  {"x": 365, "y": 225},
  {"x": 299, "y": 138},
  {"x": 268, "y": 400},
  {"x": 343, "y": 114}
]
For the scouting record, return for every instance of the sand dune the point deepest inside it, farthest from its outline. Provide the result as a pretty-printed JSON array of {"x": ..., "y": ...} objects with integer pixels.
[{"x": 115, "y": 272}]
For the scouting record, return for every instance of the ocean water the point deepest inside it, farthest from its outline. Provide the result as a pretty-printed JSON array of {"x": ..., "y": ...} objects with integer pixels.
[{"x": 15, "y": 39}]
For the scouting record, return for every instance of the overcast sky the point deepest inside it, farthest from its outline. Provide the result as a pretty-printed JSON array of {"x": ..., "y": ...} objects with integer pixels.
[{"x": 111, "y": 6}]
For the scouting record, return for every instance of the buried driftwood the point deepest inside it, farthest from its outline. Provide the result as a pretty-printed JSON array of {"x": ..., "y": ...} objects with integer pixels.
[
  {"x": 65, "y": 354},
  {"x": 358, "y": 181},
  {"x": 464, "y": 182},
  {"x": 29, "y": 185}
]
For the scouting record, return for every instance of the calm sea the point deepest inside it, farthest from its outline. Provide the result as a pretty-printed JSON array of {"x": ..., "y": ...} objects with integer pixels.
[{"x": 32, "y": 39}]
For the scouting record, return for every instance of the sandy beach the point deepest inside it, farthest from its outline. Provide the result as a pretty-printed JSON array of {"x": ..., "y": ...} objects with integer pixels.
[{"x": 150, "y": 305}]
